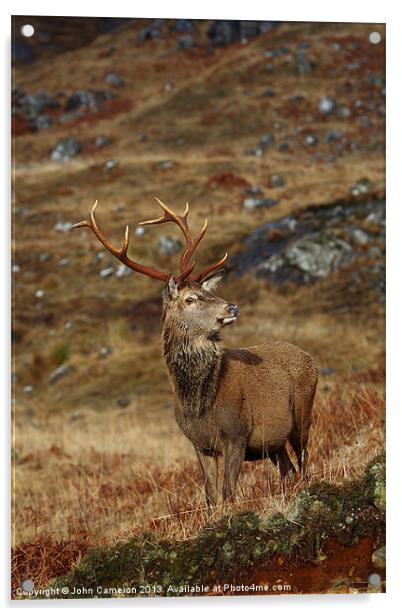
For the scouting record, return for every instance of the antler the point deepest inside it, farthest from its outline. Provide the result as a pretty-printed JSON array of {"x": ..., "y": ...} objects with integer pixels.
[
  {"x": 186, "y": 267},
  {"x": 191, "y": 244},
  {"x": 121, "y": 253}
]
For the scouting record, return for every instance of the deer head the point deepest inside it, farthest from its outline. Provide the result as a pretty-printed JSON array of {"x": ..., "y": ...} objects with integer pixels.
[{"x": 188, "y": 298}]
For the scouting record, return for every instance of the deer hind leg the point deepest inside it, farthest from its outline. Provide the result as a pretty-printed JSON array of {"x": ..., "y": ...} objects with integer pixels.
[
  {"x": 281, "y": 459},
  {"x": 209, "y": 467},
  {"x": 233, "y": 457},
  {"x": 299, "y": 444}
]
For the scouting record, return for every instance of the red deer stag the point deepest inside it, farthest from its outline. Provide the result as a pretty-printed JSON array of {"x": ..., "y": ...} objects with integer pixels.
[{"x": 242, "y": 404}]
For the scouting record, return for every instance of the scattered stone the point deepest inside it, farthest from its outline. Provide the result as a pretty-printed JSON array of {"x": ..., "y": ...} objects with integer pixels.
[
  {"x": 277, "y": 181},
  {"x": 123, "y": 401},
  {"x": 277, "y": 52},
  {"x": 16, "y": 268},
  {"x": 59, "y": 373},
  {"x": 378, "y": 558},
  {"x": 168, "y": 86},
  {"x": 153, "y": 31},
  {"x": 361, "y": 187},
  {"x": 183, "y": 25},
  {"x": 257, "y": 203},
  {"x": 185, "y": 42},
  {"x": 360, "y": 236},
  {"x": 42, "y": 122},
  {"x": 106, "y": 272},
  {"x": 100, "y": 255},
  {"x": 166, "y": 164},
  {"x": 66, "y": 149},
  {"x": 115, "y": 80},
  {"x": 68, "y": 325},
  {"x": 105, "y": 352},
  {"x": 333, "y": 135},
  {"x": 303, "y": 63},
  {"x": 169, "y": 245},
  {"x": 123, "y": 270},
  {"x": 139, "y": 231},
  {"x": 256, "y": 151},
  {"x": 268, "y": 93},
  {"x": 28, "y": 389},
  {"x": 102, "y": 141},
  {"x": 267, "y": 139},
  {"x": 44, "y": 256},
  {"x": 87, "y": 100},
  {"x": 253, "y": 190},
  {"x": 310, "y": 140},
  {"x": 141, "y": 137},
  {"x": 327, "y": 105},
  {"x": 63, "y": 227},
  {"x": 65, "y": 262},
  {"x": 318, "y": 254},
  {"x": 284, "y": 146},
  {"x": 39, "y": 293},
  {"x": 111, "y": 164}
]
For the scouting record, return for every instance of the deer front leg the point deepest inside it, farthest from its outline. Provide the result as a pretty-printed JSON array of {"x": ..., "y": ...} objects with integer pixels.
[
  {"x": 233, "y": 455},
  {"x": 209, "y": 467}
]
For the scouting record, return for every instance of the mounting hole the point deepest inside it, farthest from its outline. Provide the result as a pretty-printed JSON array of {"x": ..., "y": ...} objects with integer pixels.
[
  {"x": 375, "y": 38},
  {"x": 28, "y": 585},
  {"x": 27, "y": 30}
]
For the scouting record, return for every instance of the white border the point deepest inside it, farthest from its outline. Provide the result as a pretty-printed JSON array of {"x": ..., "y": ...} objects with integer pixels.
[{"x": 308, "y": 10}]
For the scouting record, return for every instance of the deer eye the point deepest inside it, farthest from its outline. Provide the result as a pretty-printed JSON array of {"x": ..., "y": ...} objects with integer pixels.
[{"x": 190, "y": 300}]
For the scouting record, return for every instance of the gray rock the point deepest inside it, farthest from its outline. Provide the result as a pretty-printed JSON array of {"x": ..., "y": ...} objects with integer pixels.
[
  {"x": 87, "y": 100},
  {"x": 378, "y": 558},
  {"x": 361, "y": 187},
  {"x": 327, "y": 105},
  {"x": 344, "y": 112},
  {"x": 183, "y": 25},
  {"x": 139, "y": 231},
  {"x": 360, "y": 236},
  {"x": 318, "y": 254},
  {"x": 111, "y": 164},
  {"x": 168, "y": 86},
  {"x": 185, "y": 42},
  {"x": 105, "y": 352},
  {"x": 65, "y": 262},
  {"x": 153, "y": 31},
  {"x": 333, "y": 135},
  {"x": 253, "y": 190},
  {"x": 42, "y": 122},
  {"x": 114, "y": 80},
  {"x": 28, "y": 389},
  {"x": 268, "y": 93},
  {"x": 68, "y": 325},
  {"x": 303, "y": 63},
  {"x": 16, "y": 268},
  {"x": 39, "y": 293},
  {"x": 106, "y": 272},
  {"x": 259, "y": 150},
  {"x": 44, "y": 256},
  {"x": 101, "y": 141},
  {"x": 166, "y": 164},
  {"x": 267, "y": 139},
  {"x": 63, "y": 227},
  {"x": 277, "y": 181},
  {"x": 123, "y": 271},
  {"x": 123, "y": 401},
  {"x": 141, "y": 137},
  {"x": 272, "y": 264},
  {"x": 311, "y": 140},
  {"x": 169, "y": 245},
  {"x": 257, "y": 203},
  {"x": 327, "y": 371},
  {"x": 59, "y": 373},
  {"x": 66, "y": 149}
]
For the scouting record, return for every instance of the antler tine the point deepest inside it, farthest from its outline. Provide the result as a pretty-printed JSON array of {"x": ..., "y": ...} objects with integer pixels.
[
  {"x": 210, "y": 269},
  {"x": 121, "y": 253}
]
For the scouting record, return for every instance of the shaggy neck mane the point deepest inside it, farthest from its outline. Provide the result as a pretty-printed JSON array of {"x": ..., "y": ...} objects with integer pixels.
[{"x": 194, "y": 363}]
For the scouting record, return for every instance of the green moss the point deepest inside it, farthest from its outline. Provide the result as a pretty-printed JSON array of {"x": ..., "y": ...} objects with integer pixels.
[{"x": 238, "y": 542}]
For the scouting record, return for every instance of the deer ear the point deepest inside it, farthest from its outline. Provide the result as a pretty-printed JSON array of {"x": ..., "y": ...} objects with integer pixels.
[
  {"x": 172, "y": 288},
  {"x": 210, "y": 284}
]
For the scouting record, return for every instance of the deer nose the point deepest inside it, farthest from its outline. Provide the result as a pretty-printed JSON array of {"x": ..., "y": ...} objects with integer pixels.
[{"x": 233, "y": 309}]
